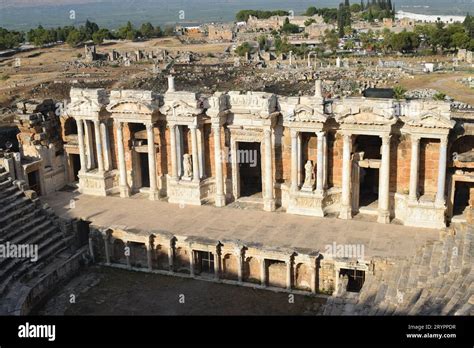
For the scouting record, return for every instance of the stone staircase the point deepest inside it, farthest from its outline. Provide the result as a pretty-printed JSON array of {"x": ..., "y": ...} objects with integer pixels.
[
  {"x": 23, "y": 221},
  {"x": 438, "y": 280}
]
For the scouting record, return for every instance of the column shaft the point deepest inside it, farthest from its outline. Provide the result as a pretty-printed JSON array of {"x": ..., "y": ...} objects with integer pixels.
[
  {"x": 98, "y": 145},
  {"x": 384, "y": 182},
  {"x": 263, "y": 272},
  {"x": 269, "y": 204},
  {"x": 194, "y": 145},
  {"x": 174, "y": 159},
  {"x": 443, "y": 156},
  {"x": 149, "y": 255},
  {"x": 107, "y": 251},
  {"x": 294, "y": 161},
  {"x": 288, "y": 274},
  {"x": 320, "y": 162},
  {"x": 414, "y": 167},
  {"x": 191, "y": 262},
  {"x": 80, "y": 138},
  {"x": 152, "y": 162},
  {"x": 220, "y": 197},
  {"x": 124, "y": 189},
  {"x": 346, "y": 209},
  {"x": 240, "y": 264},
  {"x": 170, "y": 257}
]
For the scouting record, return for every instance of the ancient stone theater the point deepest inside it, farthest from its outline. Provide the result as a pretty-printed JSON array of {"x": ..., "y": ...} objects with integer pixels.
[
  {"x": 278, "y": 179},
  {"x": 408, "y": 161}
]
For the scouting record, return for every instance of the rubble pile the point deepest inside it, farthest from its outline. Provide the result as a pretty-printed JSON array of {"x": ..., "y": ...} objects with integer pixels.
[{"x": 38, "y": 123}]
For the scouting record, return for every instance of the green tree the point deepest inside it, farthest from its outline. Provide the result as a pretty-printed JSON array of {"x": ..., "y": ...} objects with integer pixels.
[
  {"x": 147, "y": 30},
  {"x": 331, "y": 39},
  {"x": 460, "y": 40},
  {"x": 399, "y": 92},
  {"x": 99, "y": 36},
  {"x": 243, "y": 49},
  {"x": 289, "y": 28},
  {"x": 74, "y": 38}
]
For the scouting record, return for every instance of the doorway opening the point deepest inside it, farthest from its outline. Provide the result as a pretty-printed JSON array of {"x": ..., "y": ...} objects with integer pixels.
[
  {"x": 75, "y": 161},
  {"x": 249, "y": 162},
  {"x": 355, "y": 279},
  {"x": 369, "y": 187},
  {"x": 461, "y": 197},
  {"x": 33, "y": 182},
  {"x": 204, "y": 262},
  {"x": 144, "y": 169}
]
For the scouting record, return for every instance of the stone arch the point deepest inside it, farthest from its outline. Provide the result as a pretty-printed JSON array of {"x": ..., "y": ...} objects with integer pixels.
[
  {"x": 251, "y": 270},
  {"x": 461, "y": 145},
  {"x": 138, "y": 254},
  {"x": 160, "y": 257},
  {"x": 181, "y": 260},
  {"x": 118, "y": 252},
  {"x": 230, "y": 267},
  {"x": 70, "y": 127},
  {"x": 303, "y": 277}
]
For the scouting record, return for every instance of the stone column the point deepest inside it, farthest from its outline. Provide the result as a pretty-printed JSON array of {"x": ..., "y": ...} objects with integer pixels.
[
  {"x": 346, "y": 209},
  {"x": 174, "y": 159},
  {"x": 179, "y": 149},
  {"x": 91, "y": 249},
  {"x": 299, "y": 152},
  {"x": 80, "y": 138},
  {"x": 384, "y": 182},
  {"x": 240, "y": 261},
  {"x": 294, "y": 161},
  {"x": 106, "y": 248},
  {"x": 325, "y": 162},
  {"x": 220, "y": 196},
  {"x": 106, "y": 147},
  {"x": 288, "y": 274},
  {"x": 154, "y": 194},
  {"x": 89, "y": 145},
  {"x": 191, "y": 262},
  {"x": 443, "y": 154},
  {"x": 320, "y": 162},
  {"x": 194, "y": 145},
  {"x": 269, "y": 201},
  {"x": 127, "y": 245},
  {"x": 200, "y": 142},
  {"x": 313, "y": 278},
  {"x": 123, "y": 186},
  {"x": 217, "y": 263},
  {"x": 414, "y": 166},
  {"x": 263, "y": 272},
  {"x": 171, "y": 256},
  {"x": 149, "y": 254},
  {"x": 98, "y": 144}
]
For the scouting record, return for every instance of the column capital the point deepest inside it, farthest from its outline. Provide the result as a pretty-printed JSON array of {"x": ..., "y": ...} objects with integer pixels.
[
  {"x": 386, "y": 139},
  {"x": 192, "y": 126},
  {"x": 267, "y": 131},
  {"x": 415, "y": 138},
  {"x": 149, "y": 125},
  {"x": 294, "y": 133},
  {"x": 320, "y": 134},
  {"x": 444, "y": 141}
]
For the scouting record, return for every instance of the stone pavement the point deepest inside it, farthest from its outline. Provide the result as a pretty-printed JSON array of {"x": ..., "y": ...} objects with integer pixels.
[{"x": 271, "y": 229}]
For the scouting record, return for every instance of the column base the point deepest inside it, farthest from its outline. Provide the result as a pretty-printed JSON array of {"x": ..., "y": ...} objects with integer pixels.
[
  {"x": 269, "y": 205},
  {"x": 384, "y": 217},
  {"x": 154, "y": 195},
  {"x": 124, "y": 191},
  {"x": 345, "y": 213},
  {"x": 220, "y": 201}
]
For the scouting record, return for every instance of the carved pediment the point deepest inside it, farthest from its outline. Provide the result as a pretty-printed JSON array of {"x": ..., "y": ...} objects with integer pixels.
[
  {"x": 380, "y": 113},
  {"x": 430, "y": 119},
  {"x": 131, "y": 106},
  {"x": 181, "y": 108},
  {"x": 305, "y": 113},
  {"x": 84, "y": 106}
]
